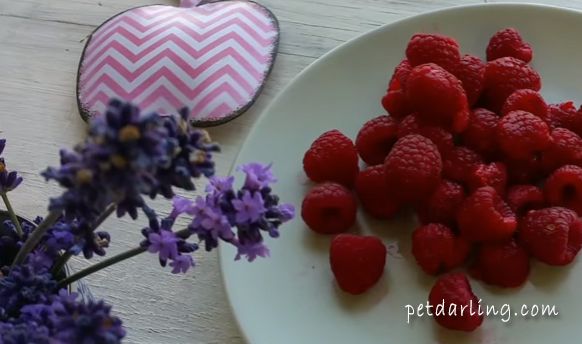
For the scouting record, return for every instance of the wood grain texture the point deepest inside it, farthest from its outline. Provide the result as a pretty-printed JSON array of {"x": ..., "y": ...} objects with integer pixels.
[{"x": 40, "y": 44}]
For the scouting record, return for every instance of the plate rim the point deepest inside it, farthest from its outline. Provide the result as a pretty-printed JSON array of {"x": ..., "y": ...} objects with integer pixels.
[{"x": 222, "y": 259}]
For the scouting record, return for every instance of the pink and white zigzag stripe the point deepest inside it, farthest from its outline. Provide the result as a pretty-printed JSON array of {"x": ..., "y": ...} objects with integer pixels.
[{"x": 213, "y": 59}]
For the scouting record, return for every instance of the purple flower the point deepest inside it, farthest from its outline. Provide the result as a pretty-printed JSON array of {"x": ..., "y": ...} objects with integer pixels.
[
  {"x": 251, "y": 251},
  {"x": 287, "y": 212},
  {"x": 181, "y": 205},
  {"x": 164, "y": 243},
  {"x": 220, "y": 184},
  {"x": 249, "y": 208},
  {"x": 257, "y": 175},
  {"x": 24, "y": 333},
  {"x": 24, "y": 286},
  {"x": 8, "y": 180},
  {"x": 181, "y": 264}
]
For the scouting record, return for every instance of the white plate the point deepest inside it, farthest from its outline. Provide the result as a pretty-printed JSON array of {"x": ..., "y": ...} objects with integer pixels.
[{"x": 291, "y": 297}]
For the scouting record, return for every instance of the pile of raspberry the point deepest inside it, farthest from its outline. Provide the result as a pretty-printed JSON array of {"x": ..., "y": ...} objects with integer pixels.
[{"x": 492, "y": 171}]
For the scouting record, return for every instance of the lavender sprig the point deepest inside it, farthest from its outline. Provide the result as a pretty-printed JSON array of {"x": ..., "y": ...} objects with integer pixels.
[{"x": 8, "y": 182}]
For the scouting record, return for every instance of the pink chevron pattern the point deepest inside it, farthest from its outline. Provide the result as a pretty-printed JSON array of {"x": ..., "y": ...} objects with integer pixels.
[{"x": 213, "y": 58}]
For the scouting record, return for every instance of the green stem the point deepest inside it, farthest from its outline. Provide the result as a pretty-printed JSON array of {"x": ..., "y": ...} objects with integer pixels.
[
  {"x": 12, "y": 214},
  {"x": 61, "y": 262},
  {"x": 184, "y": 233},
  {"x": 36, "y": 236}
]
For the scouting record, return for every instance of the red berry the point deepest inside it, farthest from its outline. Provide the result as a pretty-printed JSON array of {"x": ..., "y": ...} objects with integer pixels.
[
  {"x": 565, "y": 149},
  {"x": 436, "y": 248},
  {"x": 523, "y": 198},
  {"x": 506, "y": 75},
  {"x": 480, "y": 133},
  {"x": 329, "y": 208},
  {"x": 433, "y": 48},
  {"x": 454, "y": 289},
  {"x": 332, "y": 157},
  {"x": 494, "y": 175},
  {"x": 438, "y": 96},
  {"x": 522, "y": 135},
  {"x": 552, "y": 235},
  {"x": 357, "y": 262},
  {"x": 376, "y": 138},
  {"x": 526, "y": 100},
  {"x": 396, "y": 104},
  {"x": 484, "y": 217},
  {"x": 471, "y": 72},
  {"x": 564, "y": 188},
  {"x": 374, "y": 194},
  {"x": 411, "y": 124},
  {"x": 459, "y": 162},
  {"x": 564, "y": 115},
  {"x": 508, "y": 42},
  {"x": 504, "y": 264},
  {"x": 413, "y": 168},
  {"x": 525, "y": 171},
  {"x": 398, "y": 80},
  {"x": 442, "y": 205}
]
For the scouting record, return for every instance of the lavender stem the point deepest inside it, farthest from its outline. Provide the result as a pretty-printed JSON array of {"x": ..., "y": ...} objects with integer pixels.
[
  {"x": 12, "y": 214},
  {"x": 36, "y": 236}
]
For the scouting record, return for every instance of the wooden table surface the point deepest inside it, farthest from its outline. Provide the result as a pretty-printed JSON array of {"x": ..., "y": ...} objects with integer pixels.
[{"x": 40, "y": 45}]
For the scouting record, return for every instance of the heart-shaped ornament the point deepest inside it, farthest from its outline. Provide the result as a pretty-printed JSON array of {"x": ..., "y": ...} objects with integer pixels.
[{"x": 212, "y": 57}]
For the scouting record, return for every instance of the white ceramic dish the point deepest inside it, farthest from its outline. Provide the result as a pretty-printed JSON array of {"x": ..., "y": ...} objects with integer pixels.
[{"x": 291, "y": 297}]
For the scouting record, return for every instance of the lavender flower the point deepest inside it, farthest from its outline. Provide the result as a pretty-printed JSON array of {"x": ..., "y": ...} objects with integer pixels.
[
  {"x": 163, "y": 242},
  {"x": 8, "y": 180},
  {"x": 24, "y": 333},
  {"x": 257, "y": 175},
  {"x": 24, "y": 286},
  {"x": 249, "y": 208}
]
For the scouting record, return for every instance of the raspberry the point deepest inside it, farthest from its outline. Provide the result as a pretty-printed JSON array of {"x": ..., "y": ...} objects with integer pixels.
[
  {"x": 564, "y": 115},
  {"x": 454, "y": 289},
  {"x": 522, "y": 135},
  {"x": 506, "y": 75},
  {"x": 433, "y": 48},
  {"x": 480, "y": 133},
  {"x": 552, "y": 235},
  {"x": 329, "y": 208},
  {"x": 484, "y": 216},
  {"x": 438, "y": 96},
  {"x": 413, "y": 168},
  {"x": 508, "y": 42},
  {"x": 471, "y": 72},
  {"x": 442, "y": 205},
  {"x": 494, "y": 175},
  {"x": 525, "y": 171},
  {"x": 565, "y": 149},
  {"x": 396, "y": 104},
  {"x": 398, "y": 80},
  {"x": 459, "y": 162},
  {"x": 440, "y": 137},
  {"x": 503, "y": 264},
  {"x": 332, "y": 157},
  {"x": 376, "y": 138},
  {"x": 564, "y": 188},
  {"x": 523, "y": 198},
  {"x": 526, "y": 100},
  {"x": 436, "y": 249},
  {"x": 373, "y": 193},
  {"x": 357, "y": 262}
]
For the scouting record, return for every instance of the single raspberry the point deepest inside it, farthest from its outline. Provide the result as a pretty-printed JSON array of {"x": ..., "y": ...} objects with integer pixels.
[
  {"x": 508, "y": 42},
  {"x": 522, "y": 136},
  {"x": 442, "y": 205},
  {"x": 526, "y": 100},
  {"x": 484, "y": 216},
  {"x": 357, "y": 262},
  {"x": 494, "y": 175},
  {"x": 376, "y": 138},
  {"x": 413, "y": 168},
  {"x": 525, "y": 171},
  {"x": 438, "y": 96},
  {"x": 411, "y": 124},
  {"x": 332, "y": 157},
  {"x": 329, "y": 208},
  {"x": 480, "y": 133},
  {"x": 564, "y": 115},
  {"x": 504, "y": 264},
  {"x": 374, "y": 194},
  {"x": 400, "y": 75},
  {"x": 565, "y": 149},
  {"x": 564, "y": 188},
  {"x": 523, "y": 198},
  {"x": 454, "y": 289},
  {"x": 436, "y": 248},
  {"x": 552, "y": 235},
  {"x": 471, "y": 72},
  {"x": 506, "y": 75},
  {"x": 459, "y": 162},
  {"x": 396, "y": 104},
  {"x": 433, "y": 48}
]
